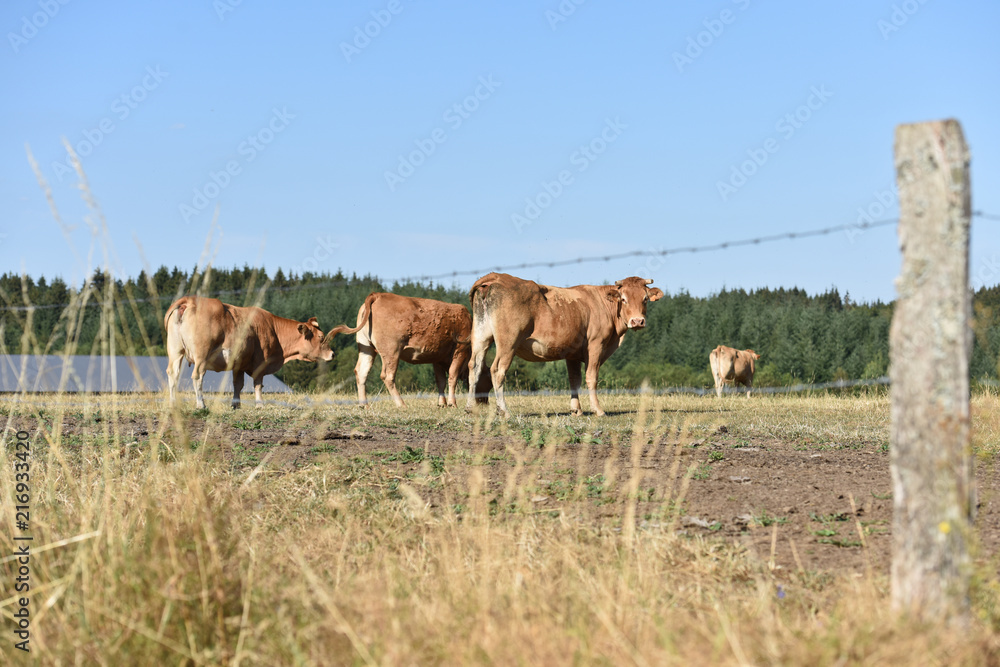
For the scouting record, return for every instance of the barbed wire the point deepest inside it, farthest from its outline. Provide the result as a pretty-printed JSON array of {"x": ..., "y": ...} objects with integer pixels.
[
  {"x": 661, "y": 253},
  {"x": 713, "y": 247}
]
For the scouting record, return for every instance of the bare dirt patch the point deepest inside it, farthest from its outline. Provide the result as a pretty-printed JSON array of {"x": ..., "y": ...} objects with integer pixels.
[{"x": 800, "y": 505}]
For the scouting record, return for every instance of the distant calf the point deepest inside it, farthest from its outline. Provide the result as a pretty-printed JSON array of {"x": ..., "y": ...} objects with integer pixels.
[
  {"x": 215, "y": 336},
  {"x": 736, "y": 366},
  {"x": 417, "y": 331}
]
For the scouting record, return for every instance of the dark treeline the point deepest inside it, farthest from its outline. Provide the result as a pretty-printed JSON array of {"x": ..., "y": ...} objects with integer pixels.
[{"x": 800, "y": 338}]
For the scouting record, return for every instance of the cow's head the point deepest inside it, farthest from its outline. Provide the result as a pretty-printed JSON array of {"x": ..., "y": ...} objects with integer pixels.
[
  {"x": 635, "y": 294},
  {"x": 312, "y": 347}
]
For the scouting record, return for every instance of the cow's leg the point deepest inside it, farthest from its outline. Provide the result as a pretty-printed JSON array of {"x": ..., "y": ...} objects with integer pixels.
[
  {"x": 498, "y": 371},
  {"x": 238, "y": 379},
  {"x": 454, "y": 370},
  {"x": 575, "y": 376},
  {"x": 366, "y": 357},
  {"x": 714, "y": 362},
  {"x": 175, "y": 359},
  {"x": 390, "y": 360},
  {"x": 593, "y": 366},
  {"x": 441, "y": 380},
  {"x": 198, "y": 378},
  {"x": 174, "y": 364},
  {"x": 480, "y": 344},
  {"x": 258, "y": 390}
]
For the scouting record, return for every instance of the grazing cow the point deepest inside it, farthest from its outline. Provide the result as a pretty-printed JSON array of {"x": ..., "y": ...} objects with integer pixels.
[
  {"x": 215, "y": 336},
  {"x": 417, "y": 331},
  {"x": 582, "y": 324},
  {"x": 736, "y": 366}
]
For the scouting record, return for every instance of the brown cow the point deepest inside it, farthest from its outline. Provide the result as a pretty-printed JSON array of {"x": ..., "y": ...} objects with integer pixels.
[
  {"x": 414, "y": 330},
  {"x": 536, "y": 322},
  {"x": 730, "y": 365},
  {"x": 215, "y": 336}
]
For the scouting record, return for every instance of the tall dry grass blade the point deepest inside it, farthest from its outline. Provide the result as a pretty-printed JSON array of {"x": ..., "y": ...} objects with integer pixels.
[
  {"x": 56, "y": 545},
  {"x": 678, "y": 502},
  {"x": 149, "y": 634},
  {"x": 67, "y": 230},
  {"x": 771, "y": 563},
  {"x": 600, "y": 595},
  {"x": 245, "y": 617},
  {"x": 256, "y": 470},
  {"x": 869, "y": 567},
  {"x": 638, "y": 443},
  {"x": 202, "y": 274},
  {"x": 319, "y": 590}
]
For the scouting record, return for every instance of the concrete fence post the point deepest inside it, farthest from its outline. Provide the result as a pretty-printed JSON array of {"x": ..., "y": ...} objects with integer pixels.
[{"x": 930, "y": 343}]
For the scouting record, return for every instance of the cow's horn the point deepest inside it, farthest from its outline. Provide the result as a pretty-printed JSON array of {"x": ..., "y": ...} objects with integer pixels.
[
  {"x": 648, "y": 281},
  {"x": 618, "y": 283}
]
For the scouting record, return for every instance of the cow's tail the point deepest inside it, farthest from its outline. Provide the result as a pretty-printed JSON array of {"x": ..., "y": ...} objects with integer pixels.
[
  {"x": 178, "y": 307},
  {"x": 481, "y": 288},
  {"x": 366, "y": 313}
]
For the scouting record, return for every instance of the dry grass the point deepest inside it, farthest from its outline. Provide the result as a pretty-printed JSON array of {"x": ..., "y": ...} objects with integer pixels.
[
  {"x": 148, "y": 549},
  {"x": 179, "y": 559}
]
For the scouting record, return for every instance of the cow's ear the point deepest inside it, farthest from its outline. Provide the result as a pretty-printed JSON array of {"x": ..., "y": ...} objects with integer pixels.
[
  {"x": 613, "y": 295},
  {"x": 654, "y": 294},
  {"x": 305, "y": 330}
]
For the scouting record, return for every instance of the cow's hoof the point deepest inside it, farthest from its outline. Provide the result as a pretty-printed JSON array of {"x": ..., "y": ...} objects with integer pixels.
[
  {"x": 236, "y": 406},
  {"x": 599, "y": 413},
  {"x": 576, "y": 413}
]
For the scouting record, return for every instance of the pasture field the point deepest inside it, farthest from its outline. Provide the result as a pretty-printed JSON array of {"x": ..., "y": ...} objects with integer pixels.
[{"x": 678, "y": 530}]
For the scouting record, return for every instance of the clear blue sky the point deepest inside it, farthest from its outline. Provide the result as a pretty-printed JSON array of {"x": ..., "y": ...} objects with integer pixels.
[{"x": 302, "y": 120}]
